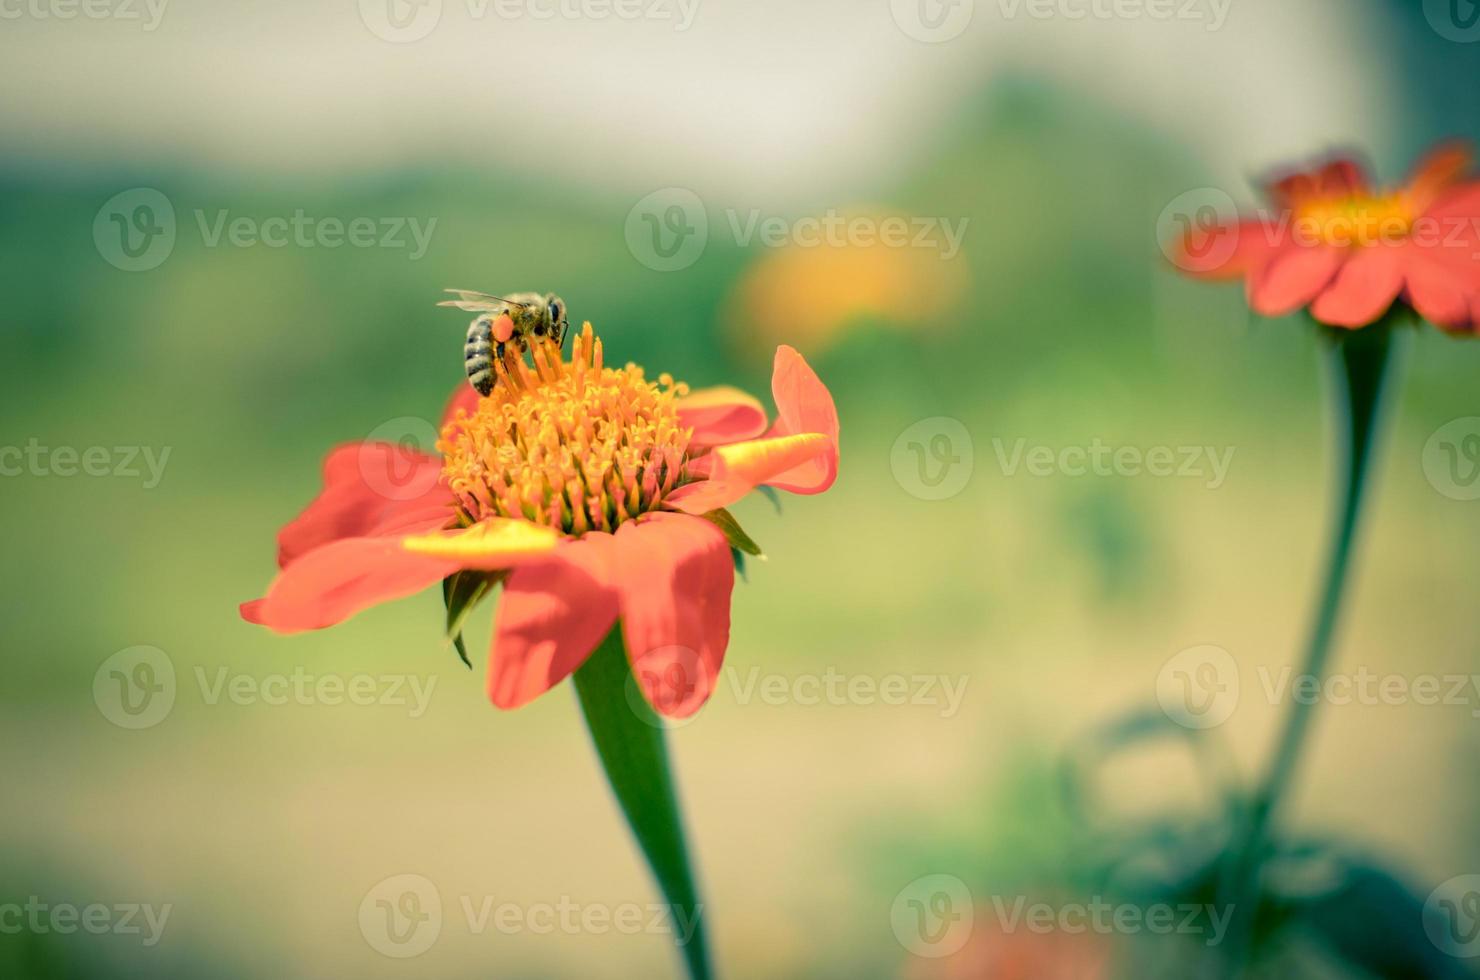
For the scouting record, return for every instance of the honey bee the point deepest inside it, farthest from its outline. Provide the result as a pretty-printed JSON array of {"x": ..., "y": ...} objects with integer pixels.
[{"x": 518, "y": 319}]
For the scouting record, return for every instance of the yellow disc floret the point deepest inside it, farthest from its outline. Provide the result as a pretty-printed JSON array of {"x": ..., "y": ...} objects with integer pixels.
[
  {"x": 577, "y": 447},
  {"x": 1358, "y": 220}
]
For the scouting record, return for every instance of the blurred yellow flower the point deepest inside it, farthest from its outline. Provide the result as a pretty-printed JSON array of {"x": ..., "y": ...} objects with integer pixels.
[{"x": 815, "y": 292}]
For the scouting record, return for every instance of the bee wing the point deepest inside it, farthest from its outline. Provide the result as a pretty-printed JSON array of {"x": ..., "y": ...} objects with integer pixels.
[{"x": 472, "y": 301}]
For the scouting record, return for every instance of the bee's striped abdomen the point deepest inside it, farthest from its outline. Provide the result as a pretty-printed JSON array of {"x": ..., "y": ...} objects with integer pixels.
[{"x": 478, "y": 354}]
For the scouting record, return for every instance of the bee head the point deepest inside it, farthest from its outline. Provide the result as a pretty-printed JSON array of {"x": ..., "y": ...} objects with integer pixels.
[{"x": 555, "y": 307}]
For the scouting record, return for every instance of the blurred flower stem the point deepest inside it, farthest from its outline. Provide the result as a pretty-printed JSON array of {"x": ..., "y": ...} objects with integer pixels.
[
  {"x": 1360, "y": 368},
  {"x": 630, "y": 741}
]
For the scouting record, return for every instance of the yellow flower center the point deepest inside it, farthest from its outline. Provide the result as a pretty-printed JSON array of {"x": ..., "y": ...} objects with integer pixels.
[
  {"x": 577, "y": 447},
  {"x": 1360, "y": 220}
]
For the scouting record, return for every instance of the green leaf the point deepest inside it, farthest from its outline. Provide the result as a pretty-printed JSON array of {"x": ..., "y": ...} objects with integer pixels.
[
  {"x": 771, "y": 494},
  {"x": 739, "y": 557},
  {"x": 631, "y": 742},
  {"x": 461, "y": 592},
  {"x": 734, "y": 533}
]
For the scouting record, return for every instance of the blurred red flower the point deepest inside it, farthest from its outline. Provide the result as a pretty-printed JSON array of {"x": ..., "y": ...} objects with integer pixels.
[{"x": 1348, "y": 251}]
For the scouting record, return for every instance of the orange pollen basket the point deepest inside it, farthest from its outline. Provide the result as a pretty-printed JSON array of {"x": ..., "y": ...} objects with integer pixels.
[
  {"x": 575, "y": 446},
  {"x": 1360, "y": 220}
]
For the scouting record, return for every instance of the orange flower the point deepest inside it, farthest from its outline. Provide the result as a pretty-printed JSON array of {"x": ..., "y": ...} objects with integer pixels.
[
  {"x": 585, "y": 489},
  {"x": 1348, "y": 251}
]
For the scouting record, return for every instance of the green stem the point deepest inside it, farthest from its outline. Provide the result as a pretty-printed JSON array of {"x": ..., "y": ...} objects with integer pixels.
[
  {"x": 629, "y": 739},
  {"x": 1359, "y": 362}
]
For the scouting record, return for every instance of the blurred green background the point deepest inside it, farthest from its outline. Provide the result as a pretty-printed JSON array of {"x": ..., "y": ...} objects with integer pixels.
[{"x": 1055, "y": 600}]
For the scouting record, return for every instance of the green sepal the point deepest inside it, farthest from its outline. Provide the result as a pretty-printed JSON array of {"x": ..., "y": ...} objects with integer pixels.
[
  {"x": 734, "y": 533},
  {"x": 739, "y": 557},
  {"x": 461, "y": 591}
]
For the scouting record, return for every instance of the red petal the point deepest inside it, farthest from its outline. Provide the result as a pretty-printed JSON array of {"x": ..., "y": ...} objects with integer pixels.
[
  {"x": 1435, "y": 173},
  {"x": 1363, "y": 290},
  {"x": 463, "y": 399},
  {"x": 721, "y": 415},
  {"x": 1436, "y": 293},
  {"x": 803, "y": 404},
  {"x": 740, "y": 467},
  {"x": 491, "y": 544},
  {"x": 367, "y": 486},
  {"x": 551, "y": 616},
  {"x": 1451, "y": 242},
  {"x": 1295, "y": 277},
  {"x": 676, "y": 579},
  {"x": 1458, "y": 202},
  {"x": 333, "y": 582},
  {"x": 1341, "y": 177},
  {"x": 1208, "y": 254}
]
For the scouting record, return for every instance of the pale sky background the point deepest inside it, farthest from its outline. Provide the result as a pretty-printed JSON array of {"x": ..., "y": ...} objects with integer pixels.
[{"x": 766, "y": 101}]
